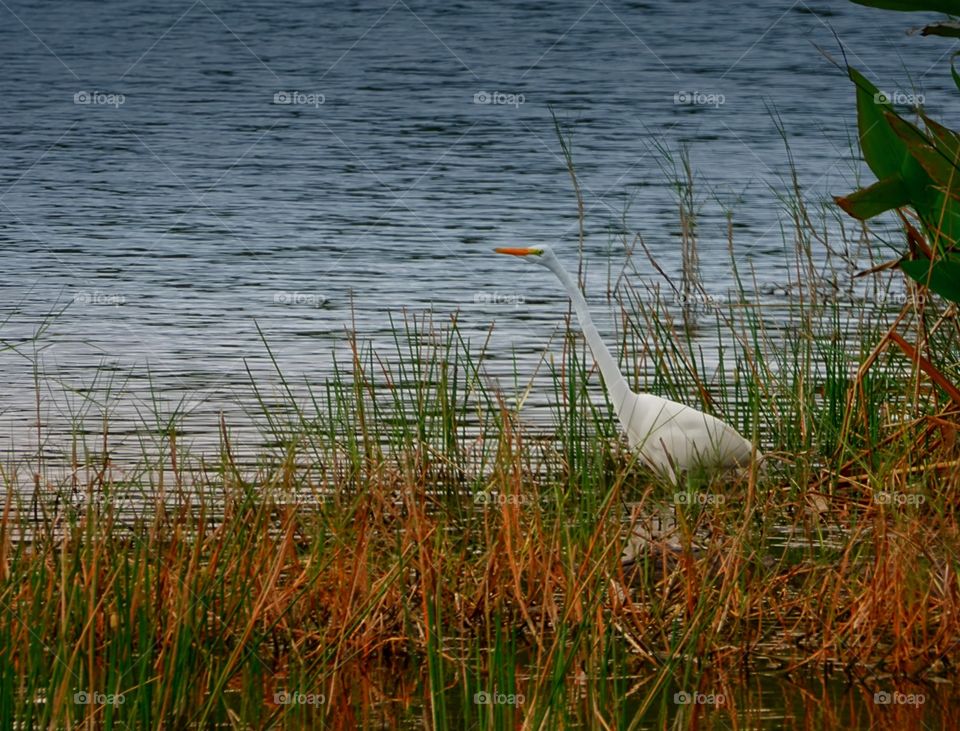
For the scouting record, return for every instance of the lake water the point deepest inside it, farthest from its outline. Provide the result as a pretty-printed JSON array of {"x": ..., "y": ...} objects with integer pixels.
[{"x": 173, "y": 175}]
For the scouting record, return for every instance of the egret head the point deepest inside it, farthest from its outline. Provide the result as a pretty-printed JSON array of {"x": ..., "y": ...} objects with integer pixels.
[{"x": 536, "y": 254}]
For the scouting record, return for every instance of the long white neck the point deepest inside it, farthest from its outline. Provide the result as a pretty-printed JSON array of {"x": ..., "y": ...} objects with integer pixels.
[{"x": 616, "y": 384}]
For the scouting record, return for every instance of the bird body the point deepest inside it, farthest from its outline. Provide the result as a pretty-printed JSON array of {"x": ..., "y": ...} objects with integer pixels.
[{"x": 668, "y": 436}]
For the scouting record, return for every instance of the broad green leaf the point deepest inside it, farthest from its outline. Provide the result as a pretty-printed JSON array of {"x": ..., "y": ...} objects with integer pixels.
[
  {"x": 943, "y": 277},
  {"x": 953, "y": 72},
  {"x": 883, "y": 195},
  {"x": 924, "y": 164},
  {"x": 939, "y": 167},
  {"x": 882, "y": 149},
  {"x": 944, "y": 139},
  {"x": 931, "y": 181},
  {"x": 950, "y": 7},
  {"x": 941, "y": 218}
]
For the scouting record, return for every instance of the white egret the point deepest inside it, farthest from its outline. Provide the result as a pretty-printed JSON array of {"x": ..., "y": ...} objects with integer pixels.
[{"x": 668, "y": 437}]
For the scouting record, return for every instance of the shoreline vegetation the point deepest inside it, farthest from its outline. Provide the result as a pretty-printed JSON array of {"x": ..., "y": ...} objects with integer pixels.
[{"x": 412, "y": 548}]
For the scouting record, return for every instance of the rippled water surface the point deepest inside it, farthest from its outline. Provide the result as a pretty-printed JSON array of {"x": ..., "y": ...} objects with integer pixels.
[{"x": 181, "y": 207}]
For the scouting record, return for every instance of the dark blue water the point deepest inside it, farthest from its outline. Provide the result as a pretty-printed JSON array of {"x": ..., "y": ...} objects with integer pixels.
[{"x": 184, "y": 202}]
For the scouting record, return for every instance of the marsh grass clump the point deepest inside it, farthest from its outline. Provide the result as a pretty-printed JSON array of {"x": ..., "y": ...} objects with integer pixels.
[{"x": 410, "y": 545}]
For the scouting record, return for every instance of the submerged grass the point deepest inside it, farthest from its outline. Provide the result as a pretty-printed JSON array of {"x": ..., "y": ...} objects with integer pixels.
[{"x": 412, "y": 547}]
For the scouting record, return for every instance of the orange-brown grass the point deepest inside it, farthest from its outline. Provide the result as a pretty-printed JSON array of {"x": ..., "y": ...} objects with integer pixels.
[{"x": 398, "y": 570}]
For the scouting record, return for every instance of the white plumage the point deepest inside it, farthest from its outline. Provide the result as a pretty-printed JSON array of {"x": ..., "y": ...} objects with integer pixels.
[{"x": 669, "y": 437}]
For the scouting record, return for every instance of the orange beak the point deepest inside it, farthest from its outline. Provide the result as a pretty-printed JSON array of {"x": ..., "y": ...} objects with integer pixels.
[{"x": 518, "y": 251}]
